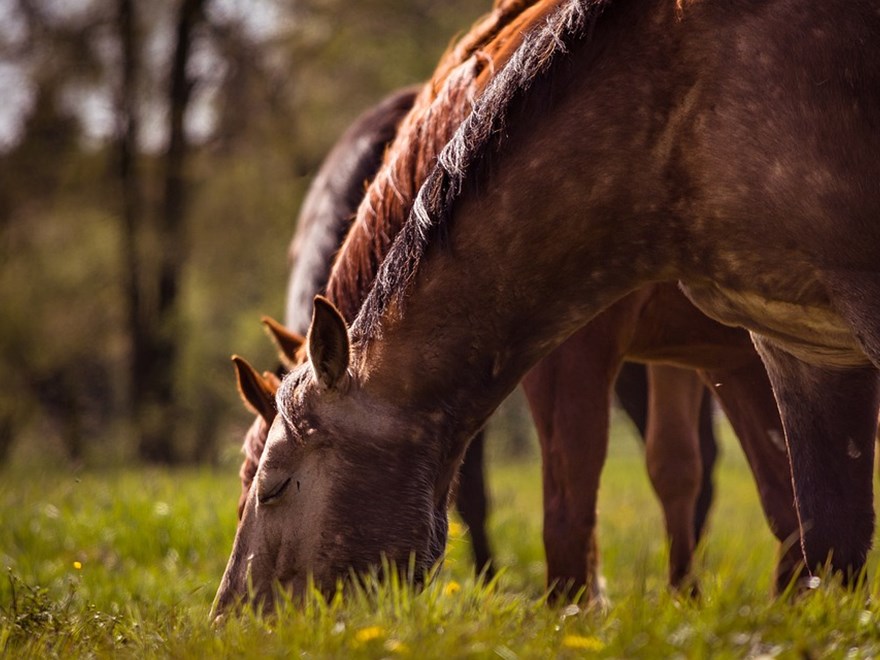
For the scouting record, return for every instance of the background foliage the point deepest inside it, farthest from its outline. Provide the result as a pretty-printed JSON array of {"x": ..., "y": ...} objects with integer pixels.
[{"x": 269, "y": 85}]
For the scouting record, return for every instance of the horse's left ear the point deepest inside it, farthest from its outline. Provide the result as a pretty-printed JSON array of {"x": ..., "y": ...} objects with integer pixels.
[
  {"x": 258, "y": 393},
  {"x": 328, "y": 344}
]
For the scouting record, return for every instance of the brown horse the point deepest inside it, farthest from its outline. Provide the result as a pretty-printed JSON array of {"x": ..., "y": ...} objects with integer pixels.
[
  {"x": 719, "y": 113},
  {"x": 681, "y": 445},
  {"x": 326, "y": 215}
]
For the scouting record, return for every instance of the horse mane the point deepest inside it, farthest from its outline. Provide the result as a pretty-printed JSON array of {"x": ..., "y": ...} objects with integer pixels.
[
  {"x": 438, "y": 110},
  {"x": 475, "y": 135}
]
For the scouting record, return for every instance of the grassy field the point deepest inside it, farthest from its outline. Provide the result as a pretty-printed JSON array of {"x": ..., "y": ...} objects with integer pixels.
[{"x": 126, "y": 563}]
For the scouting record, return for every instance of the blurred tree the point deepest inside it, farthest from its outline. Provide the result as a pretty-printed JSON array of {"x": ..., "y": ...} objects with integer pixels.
[
  {"x": 149, "y": 193},
  {"x": 153, "y": 390},
  {"x": 131, "y": 215},
  {"x": 43, "y": 375}
]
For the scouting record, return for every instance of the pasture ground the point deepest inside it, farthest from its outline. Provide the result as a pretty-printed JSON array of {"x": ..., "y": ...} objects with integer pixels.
[{"x": 126, "y": 563}]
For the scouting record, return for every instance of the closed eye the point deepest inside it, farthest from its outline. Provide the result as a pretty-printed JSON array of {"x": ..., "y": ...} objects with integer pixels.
[{"x": 275, "y": 493}]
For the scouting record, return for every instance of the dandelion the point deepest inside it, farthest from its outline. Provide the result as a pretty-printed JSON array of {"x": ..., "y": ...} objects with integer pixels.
[
  {"x": 396, "y": 646},
  {"x": 583, "y": 643},
  {"x": 365, "y": 635},
  {"x": 451, "y": 588},
  {"x": 77, "y": 565}
]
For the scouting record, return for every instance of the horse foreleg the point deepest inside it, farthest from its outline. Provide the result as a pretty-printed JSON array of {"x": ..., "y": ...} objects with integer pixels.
[
  {"x": 674, "y": 464},
  {"x": 830, "y": 421},
  {"x": 747, "y": 399},
  {"x": 472, "y": 502}
]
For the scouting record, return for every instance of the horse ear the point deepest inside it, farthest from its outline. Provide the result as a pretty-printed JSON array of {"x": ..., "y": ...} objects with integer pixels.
[
  {"x": 272, "y": 380},
  {"x": 287, "y": 341},
  {"x": 257, "y": 393},
  {"x": 328, "y": 344}
]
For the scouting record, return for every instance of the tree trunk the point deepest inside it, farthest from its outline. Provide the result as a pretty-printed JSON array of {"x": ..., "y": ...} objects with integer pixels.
[
  {"x": 132, "y": 214},
  {"x": 7, "y": 435},
  {"x": 155, "y": 328},
  {"x": 158, "y": 430}
]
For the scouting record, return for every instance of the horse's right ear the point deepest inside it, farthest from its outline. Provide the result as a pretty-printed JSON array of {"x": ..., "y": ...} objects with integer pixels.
[
  {"x": 257, "y": 392},
  {"x": 286, "y": 341},
  {"x": 328, "y": 344}
]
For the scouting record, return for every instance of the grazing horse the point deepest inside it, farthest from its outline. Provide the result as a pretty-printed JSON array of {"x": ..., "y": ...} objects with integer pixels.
[
  {"x": 682, "y": 424},
  {"x": 681, "y": 415},
  {"x": 681, "y": 443},
  {"x": 621, "y": 143},
  {"x": 325, "y": 217}
]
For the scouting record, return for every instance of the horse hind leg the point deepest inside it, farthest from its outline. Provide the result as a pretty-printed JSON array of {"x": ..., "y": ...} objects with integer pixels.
[
  {"x": 674, "y": 464},
  {"x": 830, "y": 421},
  {"x": 708, "y": 457},
  {"x": 631, "y": 388},
  {"x": 569, "y": 395}
]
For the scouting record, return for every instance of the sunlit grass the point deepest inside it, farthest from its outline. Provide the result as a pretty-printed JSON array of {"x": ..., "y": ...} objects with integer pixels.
[{"x": 127, "y": 563}]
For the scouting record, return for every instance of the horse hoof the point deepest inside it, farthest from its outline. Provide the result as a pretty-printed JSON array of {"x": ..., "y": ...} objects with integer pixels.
[{"x": 687, "y": 587}]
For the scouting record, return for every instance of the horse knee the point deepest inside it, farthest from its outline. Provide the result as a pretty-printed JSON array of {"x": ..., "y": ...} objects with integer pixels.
[{"x": 675, "y": 477}]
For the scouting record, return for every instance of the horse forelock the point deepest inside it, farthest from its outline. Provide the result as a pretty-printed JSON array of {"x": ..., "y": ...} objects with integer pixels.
[
  {"x": 479, "y": 127},
  {"x": 441, "y": 106}
]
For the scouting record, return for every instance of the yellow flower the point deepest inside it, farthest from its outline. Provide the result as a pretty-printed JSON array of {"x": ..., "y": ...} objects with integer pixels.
[
  {"x": 451, "y": 588},
  {"x": 368, "y": 634},
  {"x": 77, "y": 565},
  {"x": 584, "y": 643},
  {"x": 455, "y": 529},
  {"x": 396, "y": 646}
]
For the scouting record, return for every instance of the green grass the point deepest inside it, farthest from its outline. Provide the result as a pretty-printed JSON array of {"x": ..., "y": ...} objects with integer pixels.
[{"x": 126, "y": 563}]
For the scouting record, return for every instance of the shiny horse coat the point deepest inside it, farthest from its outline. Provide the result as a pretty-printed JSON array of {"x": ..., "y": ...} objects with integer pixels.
[{"x": 622, "y": 143}]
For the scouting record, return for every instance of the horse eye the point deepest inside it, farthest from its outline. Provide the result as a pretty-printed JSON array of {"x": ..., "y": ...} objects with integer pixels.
[{"x": 275, "y": 493}]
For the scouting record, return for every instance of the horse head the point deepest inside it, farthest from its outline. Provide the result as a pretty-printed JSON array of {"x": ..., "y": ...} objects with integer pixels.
[
  {"x": 258, "y": 394},
  {"x": 336, "y": 462}
]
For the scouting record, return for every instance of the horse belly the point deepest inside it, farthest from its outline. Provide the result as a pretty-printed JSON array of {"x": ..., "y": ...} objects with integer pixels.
[{"x": 808, "y": 329}]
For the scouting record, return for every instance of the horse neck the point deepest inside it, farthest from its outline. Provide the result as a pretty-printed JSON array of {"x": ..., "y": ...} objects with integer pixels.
[
  {"x": 535, "y": 246},
  {"x": 441, "y": 105},
  {"x": 481, "y": 312}
]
